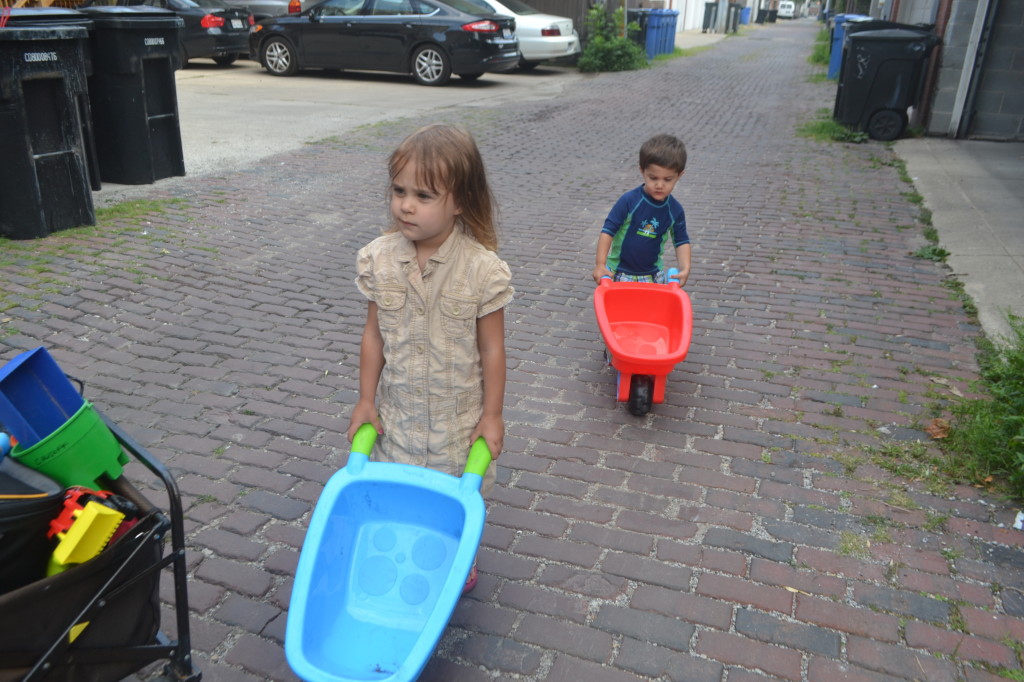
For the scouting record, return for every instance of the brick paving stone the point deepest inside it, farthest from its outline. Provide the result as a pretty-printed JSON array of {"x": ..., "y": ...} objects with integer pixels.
[
  {"x": 231, "y": 352},
  {"x": 653, "y": 662},
  {"x": 732, "y": 649}
]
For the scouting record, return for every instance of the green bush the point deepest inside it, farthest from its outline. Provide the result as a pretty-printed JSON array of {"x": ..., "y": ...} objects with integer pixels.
[
  {"x": 606, "y": 49},
  {"x": 987, "y": 434}
]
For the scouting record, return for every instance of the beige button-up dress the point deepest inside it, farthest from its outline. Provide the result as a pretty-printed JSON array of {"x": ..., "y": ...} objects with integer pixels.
[{"x": 430, "y": 395}]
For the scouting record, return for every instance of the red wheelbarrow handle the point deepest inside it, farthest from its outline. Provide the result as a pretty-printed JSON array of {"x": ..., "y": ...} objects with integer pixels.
[{"x": 477, "y": 463}]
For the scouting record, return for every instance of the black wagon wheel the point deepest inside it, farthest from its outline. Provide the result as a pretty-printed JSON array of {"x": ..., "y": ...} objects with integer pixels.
[
  {"x": 641, "y": 394},
  {"x": 886, "y": 125}
]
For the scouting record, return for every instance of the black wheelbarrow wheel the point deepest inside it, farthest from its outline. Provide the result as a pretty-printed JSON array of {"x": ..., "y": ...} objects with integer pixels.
[{"x": 641, "y": 394}]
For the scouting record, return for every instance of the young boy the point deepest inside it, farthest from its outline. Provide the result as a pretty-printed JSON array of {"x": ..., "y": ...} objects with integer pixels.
[{"x": 633, "y": 237}]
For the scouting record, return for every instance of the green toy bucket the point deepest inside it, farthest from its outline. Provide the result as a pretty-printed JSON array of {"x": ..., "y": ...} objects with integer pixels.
[{"x": 77, "y": 453}]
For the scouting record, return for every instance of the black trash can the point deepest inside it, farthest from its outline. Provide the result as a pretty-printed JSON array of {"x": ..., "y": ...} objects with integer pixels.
[
  {"x": 881, "y": 78},
  {"x": 44, "y": 178},
  {"x": 710, "y": 17},
  {"x": 133, "y": 95},
  {"x": 58, "y": 16},
  {"x": 640, "y": 17},
  {"x": 762, "y": 16},
  {"x": 732, "y": 22}
]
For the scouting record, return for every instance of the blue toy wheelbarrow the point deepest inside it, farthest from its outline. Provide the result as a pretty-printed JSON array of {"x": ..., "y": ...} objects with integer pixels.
[{"x": 388, "y": 550}]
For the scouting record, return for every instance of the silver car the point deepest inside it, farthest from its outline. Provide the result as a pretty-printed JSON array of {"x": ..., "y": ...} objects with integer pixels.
[{"x": 263, "y": 9}]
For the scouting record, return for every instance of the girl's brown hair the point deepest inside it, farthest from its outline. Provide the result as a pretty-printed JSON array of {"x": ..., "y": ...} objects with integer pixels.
[{"x": 448, "y": 161}]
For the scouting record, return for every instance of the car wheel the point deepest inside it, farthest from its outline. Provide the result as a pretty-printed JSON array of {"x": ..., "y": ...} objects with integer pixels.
[
  {"x": 279, "y": 58},
  {"x": 430, "y": 66},
  {"x": 886, "y": 125},
  {"x": 470, "y": 77},
  {"x": 527, "y": 66},
  {"x": 225, "y": 60}
]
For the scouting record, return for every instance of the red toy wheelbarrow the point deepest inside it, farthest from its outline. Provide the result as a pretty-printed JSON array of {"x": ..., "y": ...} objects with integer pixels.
[{"x": 647, "y": 330}]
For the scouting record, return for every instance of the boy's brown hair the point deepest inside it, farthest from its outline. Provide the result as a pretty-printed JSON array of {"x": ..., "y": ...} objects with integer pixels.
[{"x": 663, "y": 150}]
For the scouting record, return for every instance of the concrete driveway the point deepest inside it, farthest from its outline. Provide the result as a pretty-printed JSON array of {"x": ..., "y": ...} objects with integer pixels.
[{"x": 230, "y": 118}]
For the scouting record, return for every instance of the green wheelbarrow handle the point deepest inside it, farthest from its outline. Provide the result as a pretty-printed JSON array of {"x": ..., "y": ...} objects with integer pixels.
[{"x": 477, "y": 463}]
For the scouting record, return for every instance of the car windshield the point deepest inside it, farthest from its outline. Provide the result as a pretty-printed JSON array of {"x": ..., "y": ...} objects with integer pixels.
[{"x": 204, "y": 4}]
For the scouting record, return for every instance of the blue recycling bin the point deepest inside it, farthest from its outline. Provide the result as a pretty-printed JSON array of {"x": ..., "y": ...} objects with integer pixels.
[
  {"x": 835, "y": 59},
  {"x": 745, "y": 15},
  {"x": 655, "y": 26},
  {"x": 668, "y": 35}
]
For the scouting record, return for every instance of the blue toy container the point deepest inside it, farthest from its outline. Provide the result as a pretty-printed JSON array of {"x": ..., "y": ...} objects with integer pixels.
[
  {"x": 387, "y": 553},
  {"x": 36, "y": 397},
  {"x": 58, "y": 432}
]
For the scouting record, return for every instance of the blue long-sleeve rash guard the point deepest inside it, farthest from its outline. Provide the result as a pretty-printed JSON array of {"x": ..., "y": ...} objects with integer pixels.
[{"x": 639, "y": 228}]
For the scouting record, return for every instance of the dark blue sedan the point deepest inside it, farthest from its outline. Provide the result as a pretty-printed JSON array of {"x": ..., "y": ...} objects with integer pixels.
[{"x": 429, "y": 39}]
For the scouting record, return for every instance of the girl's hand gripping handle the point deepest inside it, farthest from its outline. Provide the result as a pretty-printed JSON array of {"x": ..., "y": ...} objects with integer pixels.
[
  {"x": 364, "y": 439},
  {"x": 479, "y": 457}
]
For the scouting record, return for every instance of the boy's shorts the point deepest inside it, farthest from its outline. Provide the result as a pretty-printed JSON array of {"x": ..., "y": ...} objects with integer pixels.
[{"x": 660, "y": 277}]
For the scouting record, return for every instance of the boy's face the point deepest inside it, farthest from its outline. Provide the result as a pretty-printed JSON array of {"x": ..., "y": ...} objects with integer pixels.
[{"x": 659, "y": 181}]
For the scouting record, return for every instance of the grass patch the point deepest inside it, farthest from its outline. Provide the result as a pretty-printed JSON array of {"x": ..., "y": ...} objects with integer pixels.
[
  {"x": 681, "y": 52},
  {"x": 132, "y": 210},
  {"x": 913, "y": 460},
  {"x": 824, "y": 128},
  {"x": 822, "y": 47},
  {"x": 853, "y": 545},
  {"x": 986, "y": 437}
]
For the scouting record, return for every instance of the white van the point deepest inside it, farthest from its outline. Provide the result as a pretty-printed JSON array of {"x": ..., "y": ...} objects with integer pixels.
[{"x": 787, "y": 9}]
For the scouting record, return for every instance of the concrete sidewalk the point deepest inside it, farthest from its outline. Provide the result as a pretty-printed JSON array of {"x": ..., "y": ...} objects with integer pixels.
[
  {"x": 975, "y": 191},
  {"x": 774, "y": 519}
]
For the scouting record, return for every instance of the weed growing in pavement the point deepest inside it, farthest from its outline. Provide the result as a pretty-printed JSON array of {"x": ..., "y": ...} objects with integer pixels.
[
  {"x": 933, "y": 253},
  {"x": 913, "y": 460},
  {"x": 132, "y": 210},
  {"x": 822, "y": 46},
  {"x": 853, "y": 545},
  {"x": 681, "y": 52},
  {"x": 824, "y": 128},
  {"x": 956, "y": 288}
]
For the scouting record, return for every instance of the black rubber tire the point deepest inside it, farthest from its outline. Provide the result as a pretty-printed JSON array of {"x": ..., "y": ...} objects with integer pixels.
[
  {"x": 278, "y": 57},
  {"x": 886, "y": 125},
  {"x": 430, "y": 66},
  {"x": 641, "y": 394},
  {"x": 225, "y": 60},
  {"x": 470, "y": 77}
]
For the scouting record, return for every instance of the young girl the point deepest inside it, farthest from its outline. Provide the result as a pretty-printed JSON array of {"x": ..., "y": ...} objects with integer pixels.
[{"x": 432, "y": 359}]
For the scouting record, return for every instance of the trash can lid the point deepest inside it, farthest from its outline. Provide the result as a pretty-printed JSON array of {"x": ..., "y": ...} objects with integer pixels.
[
  {"x": 893, "y": 35},
  {"x": 32, "y": 16},
  {"x": 55, "y": 32},
  {"x": 132, "y": 16}
]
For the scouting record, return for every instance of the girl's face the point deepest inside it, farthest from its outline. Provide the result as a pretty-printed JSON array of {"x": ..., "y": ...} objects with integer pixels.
[
  {"x": 421, "y": 214},
  {"x": 659, "y": 181}
]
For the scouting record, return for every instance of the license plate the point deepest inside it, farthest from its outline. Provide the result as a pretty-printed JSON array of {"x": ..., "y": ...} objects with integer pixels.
[
  {"x": 505, "y": 33},
  {"x": 236, "y": 23}
]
